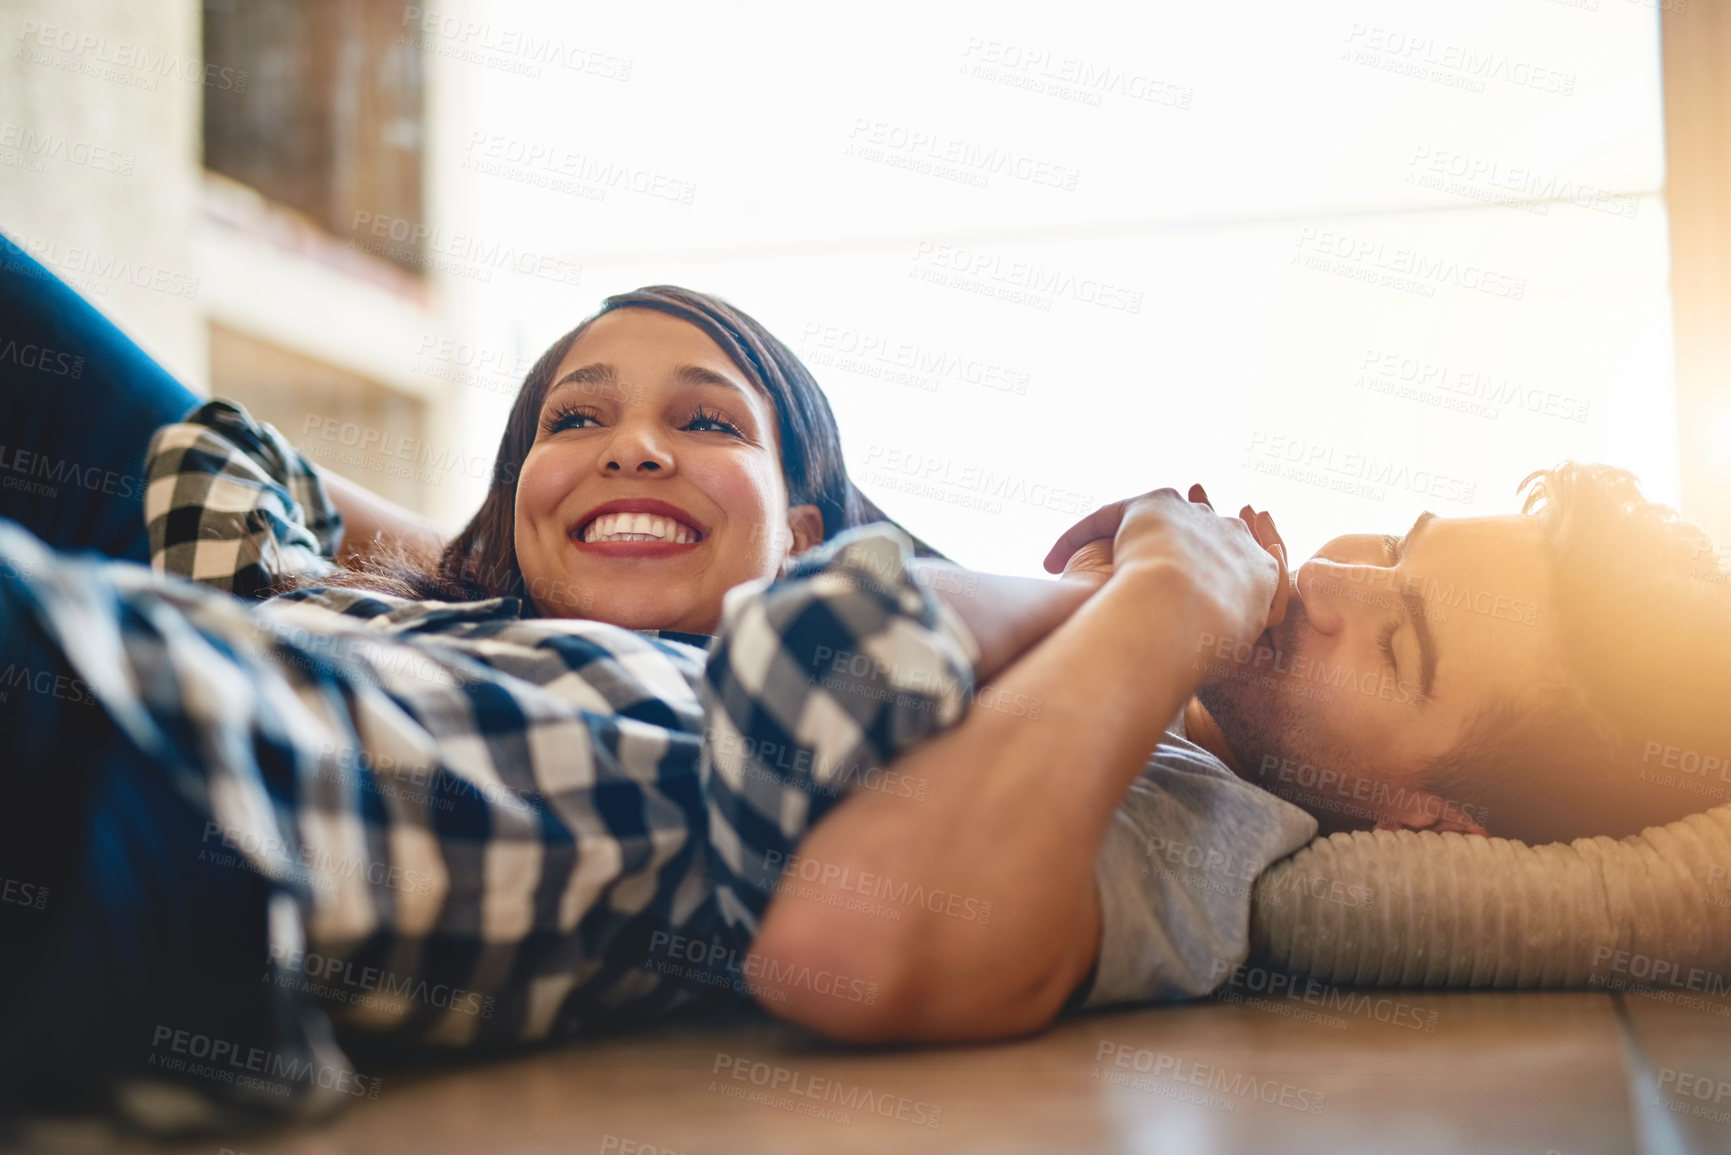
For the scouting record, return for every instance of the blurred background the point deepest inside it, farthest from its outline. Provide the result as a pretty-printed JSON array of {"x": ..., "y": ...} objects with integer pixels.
[{"x": 1344, "y": 260}]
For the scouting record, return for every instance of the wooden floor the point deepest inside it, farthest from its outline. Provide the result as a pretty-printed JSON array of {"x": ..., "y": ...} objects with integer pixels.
[{"x": 1407, "y": 1072}]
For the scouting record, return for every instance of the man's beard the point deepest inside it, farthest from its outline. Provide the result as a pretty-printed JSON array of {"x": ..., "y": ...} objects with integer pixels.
[{"x": 1257, "y": 707}]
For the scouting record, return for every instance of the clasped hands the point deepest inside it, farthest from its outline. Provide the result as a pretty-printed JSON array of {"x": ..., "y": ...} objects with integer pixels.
[{"x": 1235, "y": 566}]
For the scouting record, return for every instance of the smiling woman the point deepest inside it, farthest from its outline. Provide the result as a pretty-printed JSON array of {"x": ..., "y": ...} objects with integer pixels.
[
  {"x": 338, "y": 781},
  {"x": 669, "y": 404},
  {"x": 655, "y": 483}
]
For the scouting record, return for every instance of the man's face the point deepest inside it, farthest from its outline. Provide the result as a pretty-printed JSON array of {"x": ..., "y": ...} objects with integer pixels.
[{"x": 1387, "y": 654}]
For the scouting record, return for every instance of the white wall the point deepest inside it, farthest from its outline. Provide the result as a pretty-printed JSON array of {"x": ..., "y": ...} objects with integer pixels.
[
  {"x": 99, "y": 148},
  {"x": 1344, "y": 260},
  {"x": 1204, "y": 199}
]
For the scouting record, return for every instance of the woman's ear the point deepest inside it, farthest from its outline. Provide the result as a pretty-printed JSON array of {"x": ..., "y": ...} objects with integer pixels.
[{"x": 805, "y": 528}]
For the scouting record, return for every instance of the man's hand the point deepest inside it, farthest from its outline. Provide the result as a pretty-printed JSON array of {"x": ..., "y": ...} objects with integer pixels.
[{"x": 1235, "y": 566}]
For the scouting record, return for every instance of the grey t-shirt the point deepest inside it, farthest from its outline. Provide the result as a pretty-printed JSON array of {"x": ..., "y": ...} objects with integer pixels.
[{"x": 1175, "y": 873}]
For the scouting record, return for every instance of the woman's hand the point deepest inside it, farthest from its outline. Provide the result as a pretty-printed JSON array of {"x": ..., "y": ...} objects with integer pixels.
[
  {"x": 1090, "y": 565},
  {"x": 1235, "y": 566}
]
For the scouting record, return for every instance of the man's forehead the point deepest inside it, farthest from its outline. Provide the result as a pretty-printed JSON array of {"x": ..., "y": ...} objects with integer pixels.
[
  {"x": 1517, "y": 539},
  {"x": 1484, "y": 586}
]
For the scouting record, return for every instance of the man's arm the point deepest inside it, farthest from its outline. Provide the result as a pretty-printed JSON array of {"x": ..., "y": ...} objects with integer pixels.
[{"x": 1018, "y": 800}]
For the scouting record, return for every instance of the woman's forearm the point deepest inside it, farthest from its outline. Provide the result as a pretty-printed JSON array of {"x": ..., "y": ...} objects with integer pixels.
[
  {"x": 371, "y": 522},
  {"x": 1006, "y": 615},
  {"x": 1013, "y": 817}
]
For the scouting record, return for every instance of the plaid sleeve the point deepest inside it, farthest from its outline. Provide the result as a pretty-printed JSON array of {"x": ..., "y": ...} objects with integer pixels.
[
  {"x": 459, "y": 829},
  {"x": 816, "y": 683},
  {"x": 230, "y": 503}
]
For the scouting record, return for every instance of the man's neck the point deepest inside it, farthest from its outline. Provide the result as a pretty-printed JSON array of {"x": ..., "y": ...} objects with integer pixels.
[{"x": 1199, "y": 726}]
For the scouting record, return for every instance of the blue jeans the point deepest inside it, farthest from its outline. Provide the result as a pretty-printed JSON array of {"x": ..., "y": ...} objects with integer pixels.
[
  {"x": 79, "y": 401},
  {"x": 110, "y": 927}
]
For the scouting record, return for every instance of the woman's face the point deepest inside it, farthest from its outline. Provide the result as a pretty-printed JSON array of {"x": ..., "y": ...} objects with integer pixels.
[{"x": 654, "y": 484}]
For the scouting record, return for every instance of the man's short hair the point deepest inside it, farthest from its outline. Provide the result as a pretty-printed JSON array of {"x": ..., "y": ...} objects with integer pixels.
[{"x": 1638, "y": 619}]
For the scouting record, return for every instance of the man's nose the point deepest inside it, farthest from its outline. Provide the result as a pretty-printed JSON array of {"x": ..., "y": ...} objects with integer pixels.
[{"x": 1329, "y": 590}]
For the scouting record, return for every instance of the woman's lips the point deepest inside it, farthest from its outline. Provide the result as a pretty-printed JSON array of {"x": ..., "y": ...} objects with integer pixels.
[{"x": 637, "y": 549}]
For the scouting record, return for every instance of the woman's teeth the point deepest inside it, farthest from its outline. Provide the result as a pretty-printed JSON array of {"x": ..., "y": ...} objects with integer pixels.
[{"x": 637, "y": 527}]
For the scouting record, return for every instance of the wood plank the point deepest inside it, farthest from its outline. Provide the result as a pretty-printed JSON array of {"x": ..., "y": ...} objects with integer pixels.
[
  {"x": 1410, "y": 1071},
  {"x": 1684, "y": 1034}
]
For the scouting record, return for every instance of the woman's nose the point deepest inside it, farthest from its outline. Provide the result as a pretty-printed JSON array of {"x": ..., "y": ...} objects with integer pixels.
[{"x": 636, "y": 449}]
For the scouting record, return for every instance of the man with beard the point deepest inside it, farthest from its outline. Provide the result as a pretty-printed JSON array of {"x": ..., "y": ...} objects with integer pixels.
[
  {"x": 1531, "y": 676},
  {"x": 1541, "y": 676}
]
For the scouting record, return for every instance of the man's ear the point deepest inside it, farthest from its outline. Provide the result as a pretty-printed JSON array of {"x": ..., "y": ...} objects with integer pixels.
[
  {"x": 805, "y": 528},
  {"x": 1422, "y": 810}
]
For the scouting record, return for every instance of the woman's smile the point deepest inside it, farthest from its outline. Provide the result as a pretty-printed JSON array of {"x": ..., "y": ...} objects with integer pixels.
[
  {"x": 637, "y": 527},
  {"x": 654, "y": 484}
]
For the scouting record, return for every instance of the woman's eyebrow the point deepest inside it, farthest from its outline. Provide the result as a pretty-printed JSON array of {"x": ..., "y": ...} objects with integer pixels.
[
  {"x": 698, "y": 375},
  {"x": 596, "y": 374}
]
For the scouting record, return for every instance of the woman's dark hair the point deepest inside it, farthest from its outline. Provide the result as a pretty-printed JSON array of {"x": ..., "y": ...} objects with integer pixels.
[{"x": 482, "y": 561}]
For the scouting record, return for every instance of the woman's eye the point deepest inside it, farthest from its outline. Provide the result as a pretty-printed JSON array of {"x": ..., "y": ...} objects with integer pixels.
[
  {"x": 704, "y": 421},
  {"x": 575, "y": 418}
]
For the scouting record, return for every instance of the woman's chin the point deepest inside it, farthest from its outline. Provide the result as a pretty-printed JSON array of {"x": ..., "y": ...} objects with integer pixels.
[{"x": 639, "y": 613}]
